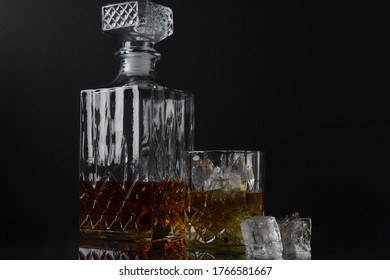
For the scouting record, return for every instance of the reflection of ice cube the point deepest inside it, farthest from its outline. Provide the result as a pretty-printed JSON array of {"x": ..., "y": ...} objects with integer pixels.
[
  {"x": 296, "y": 235},
  {"x": 262, "y": 237},
  {"x": 297, "y": 256}
]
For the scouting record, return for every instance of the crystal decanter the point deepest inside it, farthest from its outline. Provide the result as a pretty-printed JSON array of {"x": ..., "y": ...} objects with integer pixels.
[{"x": 133, "y": 134}]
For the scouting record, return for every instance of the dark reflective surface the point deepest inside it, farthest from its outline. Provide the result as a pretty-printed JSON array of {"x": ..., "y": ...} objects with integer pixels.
[
  {"x": 165, "y": 250},
  {"x": 101, "y": 250},
  {"x": 313, "y": 93}
]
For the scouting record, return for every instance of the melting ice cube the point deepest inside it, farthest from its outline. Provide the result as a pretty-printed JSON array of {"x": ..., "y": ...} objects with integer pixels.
[
  {"x": 262, "y": 237},
  {"x": 296, "y": 234}
]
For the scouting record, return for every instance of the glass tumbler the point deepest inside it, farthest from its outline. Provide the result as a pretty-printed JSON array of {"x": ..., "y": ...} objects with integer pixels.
[{"x": 223, "y": 188}]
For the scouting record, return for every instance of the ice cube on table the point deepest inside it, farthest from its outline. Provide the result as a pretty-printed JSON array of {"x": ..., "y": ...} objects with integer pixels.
[
  {"x": 296, "y": 235},
  {"x": 262, "y": 237}
]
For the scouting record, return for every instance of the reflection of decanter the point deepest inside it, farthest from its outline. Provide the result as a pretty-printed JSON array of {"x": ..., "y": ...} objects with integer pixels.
[
  {"x": 133, "y": 135},
  {"x": 103, "y": 250}
]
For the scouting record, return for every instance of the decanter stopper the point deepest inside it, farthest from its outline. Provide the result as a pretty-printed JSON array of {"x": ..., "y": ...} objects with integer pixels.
[{"x": 138, "y": 21}]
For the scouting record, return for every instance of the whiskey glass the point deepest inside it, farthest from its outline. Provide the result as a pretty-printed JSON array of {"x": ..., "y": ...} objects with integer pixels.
[{"x": 222, "y": 189}]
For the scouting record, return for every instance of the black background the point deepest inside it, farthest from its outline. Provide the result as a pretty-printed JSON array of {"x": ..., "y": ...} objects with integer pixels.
[{"x": 308, "y": 84}]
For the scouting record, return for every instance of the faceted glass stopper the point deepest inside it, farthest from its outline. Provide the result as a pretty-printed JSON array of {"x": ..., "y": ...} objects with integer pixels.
[{"x": 138, "y": 21}]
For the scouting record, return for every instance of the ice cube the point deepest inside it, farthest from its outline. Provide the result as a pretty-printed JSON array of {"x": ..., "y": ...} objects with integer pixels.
[
  {"x": 262, "y": 237},
  {"x": 296, "y": 235},
  {"x": 201, "y": 173},
  {"x": 226, "y": 179},
  {"x": 243, "y": 166},
  {"x": 226, "y": 175}
]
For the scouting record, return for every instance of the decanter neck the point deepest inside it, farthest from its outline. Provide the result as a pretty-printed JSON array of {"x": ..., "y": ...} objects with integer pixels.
[{"x": 137, "y": 59}]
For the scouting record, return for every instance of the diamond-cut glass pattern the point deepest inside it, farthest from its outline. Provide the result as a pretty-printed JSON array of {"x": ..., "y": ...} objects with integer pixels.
[
  {"x": 120, "y": 15},
  {"x": 138, "y": 21},
  {"x": 131, "y": 164}
]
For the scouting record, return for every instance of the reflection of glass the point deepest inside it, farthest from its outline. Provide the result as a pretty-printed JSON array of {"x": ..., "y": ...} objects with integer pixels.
[
  {"x": 195, "y": 254},
  {"x": 133, "y": 136},
  {"x": 224, "y": 188},
  {"x": 164, "y": 250}
]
